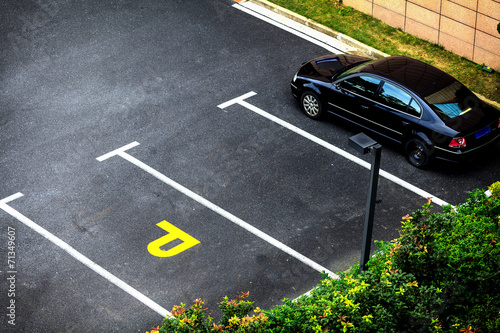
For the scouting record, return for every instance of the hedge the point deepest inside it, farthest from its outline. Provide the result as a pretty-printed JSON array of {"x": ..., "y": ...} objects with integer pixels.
[{"x": 441, "y": 275}]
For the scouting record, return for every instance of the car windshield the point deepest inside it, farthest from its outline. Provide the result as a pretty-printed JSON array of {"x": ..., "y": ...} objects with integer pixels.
[
  {"x": 348, "y": 68},
  {"x": 452, "y": 101}
]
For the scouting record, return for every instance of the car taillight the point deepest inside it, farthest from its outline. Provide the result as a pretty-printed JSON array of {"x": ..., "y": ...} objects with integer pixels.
[
  {"x": 498, "y": 122},
  {"x": 457, "y": 143}
]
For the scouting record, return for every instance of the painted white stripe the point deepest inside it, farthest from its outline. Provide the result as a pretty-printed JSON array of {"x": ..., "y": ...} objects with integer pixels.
[
  {"x": 80, "y": 257},
  {"x": 236, "y": 100},
  {"x": 117, "y": 151},
  {"x": 316, "y": 37},
  {"x": 323, "y": 143},
  {"x": 121, "y": 152}
]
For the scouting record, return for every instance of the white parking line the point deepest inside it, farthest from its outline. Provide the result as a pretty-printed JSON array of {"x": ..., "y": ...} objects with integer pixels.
[
  {"x": 121, "y": 152},
  {"x": 241, "y": 101},
  {"x": 327, "y": 42},
  {"x": 80, "y": 257}
]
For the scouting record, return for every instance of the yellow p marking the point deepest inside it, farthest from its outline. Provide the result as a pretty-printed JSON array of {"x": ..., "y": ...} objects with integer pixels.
[{"x": 173, "y": 233}]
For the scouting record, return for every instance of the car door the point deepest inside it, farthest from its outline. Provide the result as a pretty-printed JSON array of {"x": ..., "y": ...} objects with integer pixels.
[
  {"x": 396, "y": 113},
  {"x": 353, "y": 97}
]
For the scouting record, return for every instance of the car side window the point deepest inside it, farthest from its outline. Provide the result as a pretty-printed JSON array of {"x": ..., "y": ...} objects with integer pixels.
[
  {"x": 414, "y": 108},
  {"x": 398, "y": 99},
  {"x": 362, "y": 85}
]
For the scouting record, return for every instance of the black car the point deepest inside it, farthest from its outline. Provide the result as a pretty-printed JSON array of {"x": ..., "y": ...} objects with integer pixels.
[{"x": 405, "y": 100}]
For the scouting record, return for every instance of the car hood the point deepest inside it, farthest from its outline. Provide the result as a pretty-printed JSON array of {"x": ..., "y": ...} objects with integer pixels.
[{"x": 324, "y": 68}]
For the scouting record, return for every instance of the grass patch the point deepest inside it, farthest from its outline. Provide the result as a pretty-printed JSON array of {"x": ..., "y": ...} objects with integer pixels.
[{"x": 375, "y": 33}]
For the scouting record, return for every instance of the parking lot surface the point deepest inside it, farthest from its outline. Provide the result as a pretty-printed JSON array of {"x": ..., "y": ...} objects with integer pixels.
[{"x": 152, "y": 154}]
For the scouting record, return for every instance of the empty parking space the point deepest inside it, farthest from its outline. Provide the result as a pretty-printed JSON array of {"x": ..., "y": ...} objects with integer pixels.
[{"x": 122, "y": 152}]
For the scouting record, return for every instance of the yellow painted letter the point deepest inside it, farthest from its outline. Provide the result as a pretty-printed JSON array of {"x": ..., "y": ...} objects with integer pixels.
[{"x": 173, "y": 233}]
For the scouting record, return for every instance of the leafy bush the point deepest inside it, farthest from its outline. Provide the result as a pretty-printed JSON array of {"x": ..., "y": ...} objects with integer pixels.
[
  {"x": 457, "y": 251},
  {"x": 441, "y": 275},
  {"x": 196, "y": 319},
  {"x": 387, "y": 301}
]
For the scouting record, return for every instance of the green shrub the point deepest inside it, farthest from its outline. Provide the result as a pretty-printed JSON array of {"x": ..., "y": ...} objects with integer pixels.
[
  {"x": 457, "y": 251},
  {"x": 371, "y": 302},
  {"x": 442, "y": 275},
  {"x": 235, "y": 318}
]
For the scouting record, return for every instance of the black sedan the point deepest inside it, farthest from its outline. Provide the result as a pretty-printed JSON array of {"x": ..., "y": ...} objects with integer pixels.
[{"x": 428, "y": 112}]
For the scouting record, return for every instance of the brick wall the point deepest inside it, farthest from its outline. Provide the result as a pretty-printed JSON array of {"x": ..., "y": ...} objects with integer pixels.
[{"x": 465, "y": 27}]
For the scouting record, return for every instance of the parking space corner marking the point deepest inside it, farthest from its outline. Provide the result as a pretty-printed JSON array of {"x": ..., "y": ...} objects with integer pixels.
[
  {"x": 236, "y": 100},
  {"x": 117, "y": 151},
  {"x": 11, "y": 198}
]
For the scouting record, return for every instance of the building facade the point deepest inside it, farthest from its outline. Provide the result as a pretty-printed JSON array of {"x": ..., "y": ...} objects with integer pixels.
[{"x": 465, "y": 27}]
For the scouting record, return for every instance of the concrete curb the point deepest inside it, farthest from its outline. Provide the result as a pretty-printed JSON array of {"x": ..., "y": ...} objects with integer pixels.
[{"x": 362, "y": 48}]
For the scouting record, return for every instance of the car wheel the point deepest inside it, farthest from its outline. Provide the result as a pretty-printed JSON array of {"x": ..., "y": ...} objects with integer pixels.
[
  {"x": 311, "y": 105},
  {"x": 417, "y": 153}
]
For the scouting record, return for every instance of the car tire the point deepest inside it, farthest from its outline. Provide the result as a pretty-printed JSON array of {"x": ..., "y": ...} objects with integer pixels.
[
  {"x": 311, "y": 105},
  {"x": 417, "y": 153}
]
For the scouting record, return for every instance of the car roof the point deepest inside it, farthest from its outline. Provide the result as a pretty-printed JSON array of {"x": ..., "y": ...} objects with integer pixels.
[{"x": 417, "y": 76}]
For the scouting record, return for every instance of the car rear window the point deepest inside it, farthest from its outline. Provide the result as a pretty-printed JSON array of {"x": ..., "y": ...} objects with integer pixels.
[{"x": 452, "y": 101}]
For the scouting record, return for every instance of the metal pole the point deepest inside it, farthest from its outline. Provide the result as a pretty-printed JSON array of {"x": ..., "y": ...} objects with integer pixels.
[{"x": 370, "y": 205}]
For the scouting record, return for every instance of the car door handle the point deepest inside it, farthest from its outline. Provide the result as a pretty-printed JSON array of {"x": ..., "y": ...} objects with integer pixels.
[
  {"x": 365, "y": 107},
  {"x": 405, "y": 123}
]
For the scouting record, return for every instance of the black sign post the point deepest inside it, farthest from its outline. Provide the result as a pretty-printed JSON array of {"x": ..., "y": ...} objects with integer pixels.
[{"x": 364, "y": 144}]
